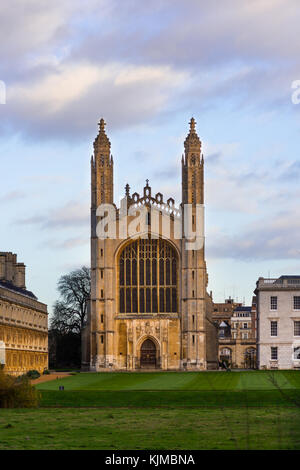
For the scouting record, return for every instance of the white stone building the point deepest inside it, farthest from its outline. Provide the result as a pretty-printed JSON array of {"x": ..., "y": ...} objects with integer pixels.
[{"x": 278, "y": 322}]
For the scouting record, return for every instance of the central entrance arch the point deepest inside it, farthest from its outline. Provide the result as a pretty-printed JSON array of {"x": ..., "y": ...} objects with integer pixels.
[{"x": 148, "y": 354}]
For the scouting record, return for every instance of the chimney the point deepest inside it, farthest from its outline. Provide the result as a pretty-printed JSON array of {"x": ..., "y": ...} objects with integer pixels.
[
  {"x": 12, "y": 271},
  {"x": 9, "y": 266},
  {"x": 2, "y": 266},
  {"x": 19, "y": 277}
]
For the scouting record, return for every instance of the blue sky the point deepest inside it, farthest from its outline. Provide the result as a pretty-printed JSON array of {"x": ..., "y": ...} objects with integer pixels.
[{"x": 147, "y": 67}]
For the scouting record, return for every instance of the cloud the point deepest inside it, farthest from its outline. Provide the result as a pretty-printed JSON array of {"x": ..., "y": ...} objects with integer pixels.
[
  {"x": 39, "y": 28},
  {"x": 68, "y": 243},
  {"x": 248, "y": 186},
  {"x": 69, "y": 101},
  {"x": 56, "y": 91},
  {"x": 72, "y": 214},
  {"x": 170, "y": 172},
  {"x": 66, "y": 63},
  {"x": 68, "y": 267},
  {"x": 12, "y": 196},
  {"x": 237, "y": 31},
  {"x": 196, "y": 33},
  {"x": 291, "y": 172},
  {"x": 213, "y": 158},
  {"x": 273, "y": 238}
]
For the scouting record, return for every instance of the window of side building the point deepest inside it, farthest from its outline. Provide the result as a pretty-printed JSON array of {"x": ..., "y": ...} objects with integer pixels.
[
  {"x": 274, "y": 328},
  {"x": 297, "y": 353},
  {"x": 273, "y": 302},
  {"x": 296, "y": 302},
  {"x": 297, "y": 328},
  {"x": 274, "y": 353}
]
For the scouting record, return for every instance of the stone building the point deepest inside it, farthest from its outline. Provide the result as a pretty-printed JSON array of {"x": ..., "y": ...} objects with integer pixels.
[
  {"x": 244, "y": 337},
  {"x": 149, "y": 304},
  {"x": 23, "y": 321},
  {"x": 237, "y": 333},
  {"x": 222, "y": 311},
  {"x": 278, "y": 322}
]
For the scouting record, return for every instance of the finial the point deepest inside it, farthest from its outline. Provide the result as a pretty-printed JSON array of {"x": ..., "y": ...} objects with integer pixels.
[
  {"x": 147, "y": 183},
  {"x": 192, "y": 141},
  {"x": 192, "y": 125},
  {"x": 127, "y": 190},
  {"x": 102, "y": 143},
  {"x": 102, "y": 125}
]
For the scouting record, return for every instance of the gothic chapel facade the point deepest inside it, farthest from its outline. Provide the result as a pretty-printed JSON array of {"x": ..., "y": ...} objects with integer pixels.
[{"x": 149, "y": 307}]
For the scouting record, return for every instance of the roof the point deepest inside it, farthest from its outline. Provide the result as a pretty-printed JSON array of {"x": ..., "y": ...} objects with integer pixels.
[
  {"x": 243, "y": 309},
  {"x": 283, "y": 278},
  {"x": 9, "y": 285}
]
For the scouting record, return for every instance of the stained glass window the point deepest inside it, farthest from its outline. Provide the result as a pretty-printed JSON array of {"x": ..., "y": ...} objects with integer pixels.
[{"x": 148, "y": 277}]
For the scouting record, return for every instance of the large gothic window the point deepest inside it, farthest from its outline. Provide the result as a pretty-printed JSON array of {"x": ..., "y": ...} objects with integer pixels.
[{"x": 148, "y": 277}]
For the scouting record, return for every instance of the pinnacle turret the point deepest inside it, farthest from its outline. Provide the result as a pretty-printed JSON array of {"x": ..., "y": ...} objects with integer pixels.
[
  {"x": 192, "y": 168},
  {"x": 192, "y": 141},
  {"x": 102, "y": 142},
  {"x": 102, "y": 168}
]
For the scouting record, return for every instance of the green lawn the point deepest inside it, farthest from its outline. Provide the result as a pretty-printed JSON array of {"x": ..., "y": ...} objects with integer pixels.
[
  {"x": 247, "y": 380},
  {"x": 173, "y": 389},
  {"x": 241, "y": 428},
  {"x": 206, "y": 410}
]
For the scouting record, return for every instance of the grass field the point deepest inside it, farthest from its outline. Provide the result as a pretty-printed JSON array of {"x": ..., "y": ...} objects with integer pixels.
[
  {"x": 250, "y": 380},
  {"x": 207, "y": 410}
]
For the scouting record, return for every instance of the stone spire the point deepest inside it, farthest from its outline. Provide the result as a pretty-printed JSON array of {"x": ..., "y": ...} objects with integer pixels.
[
  {"x": 192, "y": 168},
  {"x": 102, "y": 142},
  {"x": 192, "y": 142},
  {"x": 102, "y": 169}
]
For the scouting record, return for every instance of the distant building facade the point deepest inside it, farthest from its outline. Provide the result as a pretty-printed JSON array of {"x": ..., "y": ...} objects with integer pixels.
[
  {"x": 237, "y": 333},
  {"x": 149, "y": 303},
  {"x": 222, "y": 312},
  {"x": 23, "y": 321},
  {"x": 278, "y": 322}
]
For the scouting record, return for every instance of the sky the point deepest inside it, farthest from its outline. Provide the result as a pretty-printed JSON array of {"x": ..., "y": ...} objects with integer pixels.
[{"x": 147, "y": 68}]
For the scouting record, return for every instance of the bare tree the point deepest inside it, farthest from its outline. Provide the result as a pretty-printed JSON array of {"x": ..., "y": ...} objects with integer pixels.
[{"x": 70, "y": 312}]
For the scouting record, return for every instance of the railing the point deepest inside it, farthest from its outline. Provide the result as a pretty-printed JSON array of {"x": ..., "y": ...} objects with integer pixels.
[{"x": 279, "y": 284}]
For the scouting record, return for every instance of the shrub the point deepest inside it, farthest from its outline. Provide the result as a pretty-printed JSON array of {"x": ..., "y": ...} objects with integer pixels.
[
  {"x": 33, "y": 374},
  {"x": 17, "y": 392},
  {"x": 46, "y": 372}
]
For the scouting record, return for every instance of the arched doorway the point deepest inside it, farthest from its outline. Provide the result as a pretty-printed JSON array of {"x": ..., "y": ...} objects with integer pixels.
[
  {"x": 226, "y": 357},
  {"x": 148, "y": 354},
  {"x": 250, "y": 358}
]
